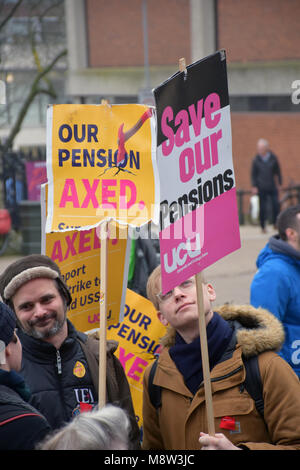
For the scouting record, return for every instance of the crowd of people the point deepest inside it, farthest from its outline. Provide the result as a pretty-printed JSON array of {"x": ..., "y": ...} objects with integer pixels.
[{"x": 49, "y": 370}]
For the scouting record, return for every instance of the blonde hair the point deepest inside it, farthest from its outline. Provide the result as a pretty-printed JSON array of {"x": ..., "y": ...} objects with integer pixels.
[{"x": 154, "y": 285}]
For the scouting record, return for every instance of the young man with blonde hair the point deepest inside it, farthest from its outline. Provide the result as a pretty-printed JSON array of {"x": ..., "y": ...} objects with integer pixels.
[{"x": 234, "y": 334}]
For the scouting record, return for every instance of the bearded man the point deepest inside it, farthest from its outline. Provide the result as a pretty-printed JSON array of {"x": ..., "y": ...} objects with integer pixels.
[{"x": 60, "y": 364}]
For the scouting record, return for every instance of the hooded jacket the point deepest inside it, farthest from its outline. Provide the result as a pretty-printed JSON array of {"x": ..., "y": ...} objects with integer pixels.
[
  {"x": 275, "y": 287},
  {"x": 21, "y": 426},
  {"x": 182, "y": 416}
]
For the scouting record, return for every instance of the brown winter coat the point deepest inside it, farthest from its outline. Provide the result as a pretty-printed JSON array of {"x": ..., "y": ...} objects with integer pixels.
[{"x": 177, "y": 424}]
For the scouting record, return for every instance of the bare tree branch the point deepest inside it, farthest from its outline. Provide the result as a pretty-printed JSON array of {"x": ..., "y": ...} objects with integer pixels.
[
  {"x": 34, "y": 91},
  {"x": 10, "y": 14}
]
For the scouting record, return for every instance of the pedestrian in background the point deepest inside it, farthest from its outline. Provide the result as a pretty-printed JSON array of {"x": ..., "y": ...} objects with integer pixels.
[{"x": 266, "y": 181}]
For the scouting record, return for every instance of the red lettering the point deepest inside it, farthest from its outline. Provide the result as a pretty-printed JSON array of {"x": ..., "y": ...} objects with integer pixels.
[
  {"x": 123, "y": 358},
  {"x": 136, "y": 369}
]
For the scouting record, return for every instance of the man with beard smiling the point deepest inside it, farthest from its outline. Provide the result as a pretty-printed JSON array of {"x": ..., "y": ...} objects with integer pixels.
[{"x": 59, "y": 363}]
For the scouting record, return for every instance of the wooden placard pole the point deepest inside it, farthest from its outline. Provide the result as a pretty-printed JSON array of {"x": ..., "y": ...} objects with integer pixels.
[
  {"x": 103, "y": 308},
  {"x": 182, "y": 64},
  {"x": 103, "y": 314},
  {"x": 203, "y": 336},
  {"x": 205, "y": 358}
]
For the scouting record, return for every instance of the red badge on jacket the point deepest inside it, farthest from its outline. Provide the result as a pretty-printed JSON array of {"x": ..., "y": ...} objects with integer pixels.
[{"x": 228, "y": 423}]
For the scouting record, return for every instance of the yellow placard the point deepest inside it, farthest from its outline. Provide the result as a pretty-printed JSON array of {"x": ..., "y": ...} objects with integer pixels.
[
  {"x": 77, "y": 253},
  {"x": 100, "y": 165},
  {"x": 139, "y": 339}
]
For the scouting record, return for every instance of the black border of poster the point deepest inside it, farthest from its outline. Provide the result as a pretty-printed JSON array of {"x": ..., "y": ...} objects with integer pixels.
[{"x": 184, "y": 88}]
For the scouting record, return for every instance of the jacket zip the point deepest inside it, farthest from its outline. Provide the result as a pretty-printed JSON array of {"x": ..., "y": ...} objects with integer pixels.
[
  {"x": 233, "y": 372},
  {"x": 58, "y": 362},
  {"x": 60, "y": 388},
  {"x": 222, "y": 377}
]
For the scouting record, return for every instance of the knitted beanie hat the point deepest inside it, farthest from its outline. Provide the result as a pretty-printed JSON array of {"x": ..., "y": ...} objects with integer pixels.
[
  {"x": 7, "y": 328},
  {"x": 28, "y": 268},
  {"x": 7, "y": 323}
]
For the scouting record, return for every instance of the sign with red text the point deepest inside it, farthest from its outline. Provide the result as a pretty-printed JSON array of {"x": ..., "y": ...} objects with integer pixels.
[
  {"x": 198, "y": 208},
  {"x": 77, "y": 253},
  {"x": 100, "y": 165},
  {"x": 139, "y": 337}
]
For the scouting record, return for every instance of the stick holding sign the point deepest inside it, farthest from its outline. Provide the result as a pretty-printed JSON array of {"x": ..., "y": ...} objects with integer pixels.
[
  {"x": 103, "y": 314},
  {"x": 205, "y": 357},
  {"x": 203, "y": 335}
]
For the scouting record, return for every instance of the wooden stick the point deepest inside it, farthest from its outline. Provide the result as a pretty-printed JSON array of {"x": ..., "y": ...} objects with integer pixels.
[
  {"x": 182, "y": 64},
  {"x": 103, "y": 314},
  {"x": 205, "y": 357}
]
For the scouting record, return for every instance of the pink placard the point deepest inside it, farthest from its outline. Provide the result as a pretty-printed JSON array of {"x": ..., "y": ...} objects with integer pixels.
[{"x": 199, "y": 239}]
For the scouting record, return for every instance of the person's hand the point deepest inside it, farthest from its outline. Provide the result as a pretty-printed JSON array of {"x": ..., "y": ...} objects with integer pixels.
[
  {"x": 216, "y": 442},
  {"x": 254, "y": 190}
]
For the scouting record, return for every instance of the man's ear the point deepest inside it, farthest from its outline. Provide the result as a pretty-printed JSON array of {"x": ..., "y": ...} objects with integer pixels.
[
  {"x": 291, "y": 234},
  {"x": 161, "y": 318},
  {"x": 211, "y": 292}
]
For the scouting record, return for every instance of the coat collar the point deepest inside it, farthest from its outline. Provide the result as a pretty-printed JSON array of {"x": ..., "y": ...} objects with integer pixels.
[{"x": 257, "y": 330}]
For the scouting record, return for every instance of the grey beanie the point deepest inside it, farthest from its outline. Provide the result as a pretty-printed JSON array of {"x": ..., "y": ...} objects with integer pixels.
[{"x": 28, "y": 268}]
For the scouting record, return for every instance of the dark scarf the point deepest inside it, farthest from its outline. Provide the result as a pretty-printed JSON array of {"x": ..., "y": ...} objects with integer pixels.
[
  {"x": 16, "y": 382},
  {"x": 187, "y": 357}
]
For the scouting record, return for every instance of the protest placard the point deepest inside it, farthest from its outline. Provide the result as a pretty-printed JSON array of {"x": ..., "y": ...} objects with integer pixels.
[
  {"x": 77, "y": 254},
  {"x": 139, "y": 339},
  {"x": 100, "y": 165},
  {"x": 198, "y": 209},
  {"x": 131, "y": 320},
  {"x": 199, "y": 216}
]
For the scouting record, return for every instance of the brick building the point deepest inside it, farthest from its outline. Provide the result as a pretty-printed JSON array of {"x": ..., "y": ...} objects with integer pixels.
[
  {"x": 119, "y": 50},
  {"x": 261, "y": 38}
]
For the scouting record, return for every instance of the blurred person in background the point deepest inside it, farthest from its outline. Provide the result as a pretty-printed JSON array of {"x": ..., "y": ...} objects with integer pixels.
[{"x": 266, "y": 181}]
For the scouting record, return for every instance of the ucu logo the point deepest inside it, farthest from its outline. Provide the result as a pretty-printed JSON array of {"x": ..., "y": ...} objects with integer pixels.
[{"x": 179, "y": 254}]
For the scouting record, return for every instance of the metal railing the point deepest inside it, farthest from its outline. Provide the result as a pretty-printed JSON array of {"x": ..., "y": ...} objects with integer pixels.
[{"x": 288, "y": 196}]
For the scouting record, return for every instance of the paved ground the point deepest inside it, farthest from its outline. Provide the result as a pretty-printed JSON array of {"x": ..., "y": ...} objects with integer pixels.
[{"x": 232, "y": 275}]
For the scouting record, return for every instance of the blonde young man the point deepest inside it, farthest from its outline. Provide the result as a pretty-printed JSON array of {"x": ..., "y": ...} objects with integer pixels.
[{"x": 234, "y": 333}]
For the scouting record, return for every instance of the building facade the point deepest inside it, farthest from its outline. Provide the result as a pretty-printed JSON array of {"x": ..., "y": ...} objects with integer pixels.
[{"x": 120, "y": 50}]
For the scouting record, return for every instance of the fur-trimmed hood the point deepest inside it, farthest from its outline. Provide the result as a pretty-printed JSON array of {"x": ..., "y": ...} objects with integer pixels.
[{"x": 257, "y": 330}]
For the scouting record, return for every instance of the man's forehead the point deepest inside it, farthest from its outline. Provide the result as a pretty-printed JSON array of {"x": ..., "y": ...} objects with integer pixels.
[{"x": 34, "y": 286}]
